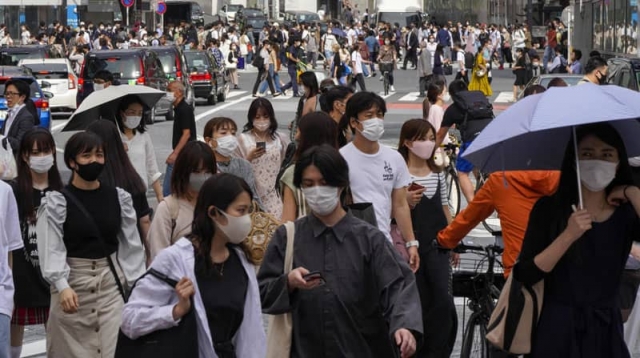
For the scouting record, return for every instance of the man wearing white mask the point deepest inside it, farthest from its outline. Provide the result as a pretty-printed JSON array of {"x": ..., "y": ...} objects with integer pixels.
[
  {"x": 378, "y": 174},
  {"x": 102, "y": 79}
]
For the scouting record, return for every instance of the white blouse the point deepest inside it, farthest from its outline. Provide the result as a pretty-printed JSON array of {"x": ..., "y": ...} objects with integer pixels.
[{"x": 143, "y": 157}]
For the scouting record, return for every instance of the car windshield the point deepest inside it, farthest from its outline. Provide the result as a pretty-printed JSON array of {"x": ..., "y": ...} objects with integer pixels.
[
  {"x": 168, "y": 61},
  {"x": 308, "y": 17},
  {"x": 257, "y": 23},
  {"x": 233, "y": 8},
  {"x": 33, "y": 87},
  {"x": 49, "y": 71},
  {"x": 12, "y": 59},
  {"x": 195, "y": 9},
  {"x": 121, "y": 67},
  {"x": 197, "y": 61},
  {"x": 402, "y": 18},
  {"x": 570, "y": 80}
]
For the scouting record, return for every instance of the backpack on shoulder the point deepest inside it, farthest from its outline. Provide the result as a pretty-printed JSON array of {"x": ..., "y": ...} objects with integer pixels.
[
  {"x": 478, "y": 113},
  {"x": 258, "y": 60},
  {"x": 469, "y": 60}
]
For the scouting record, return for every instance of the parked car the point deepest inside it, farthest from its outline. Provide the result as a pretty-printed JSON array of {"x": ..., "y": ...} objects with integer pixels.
[
  {"x": 38, "y": 96},
  {"x": 11, "y": 56},
  {"x": 624, "y": 72},
  {"x": 543, "y": 80},
  {"x": 59, "y": 74},
  {"x": 228, "y": 12},
  {"x": 206, "y": 77},
  {"x": 174, "y": 65},
  {"x": 140, "y": 66}
]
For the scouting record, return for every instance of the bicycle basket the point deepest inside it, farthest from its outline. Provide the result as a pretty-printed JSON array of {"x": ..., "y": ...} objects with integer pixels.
[
  {"x": 469, "y": 277},
  {"x": 385, "y": 67}
]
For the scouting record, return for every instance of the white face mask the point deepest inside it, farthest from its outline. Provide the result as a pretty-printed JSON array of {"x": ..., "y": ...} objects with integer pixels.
[
  {"x": 98, "y": 87},
  {"x": 132, "y": 122},
  {"x": 226, "y": 145},
  {"x": 41, "y": 164},
  {"x": 446, "y": 97},
  {"x": 196, "y": 180},
  {"x": 237, "y": 228},
  {"x": 171, "y": 97},
  {"x": 262, "y": 125},
  {"x": 373, "y": 129},
  {"x": 322, "y": 200},
  {"x": 596, "y": 175}
]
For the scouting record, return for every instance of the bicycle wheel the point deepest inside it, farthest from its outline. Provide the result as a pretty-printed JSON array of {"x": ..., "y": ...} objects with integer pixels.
[
  {"x": 453, "y": 192},
  {"x": 492, "y": 222},
  {"x": 386, "y": 83},
  {"x": 474, "y": 343}
]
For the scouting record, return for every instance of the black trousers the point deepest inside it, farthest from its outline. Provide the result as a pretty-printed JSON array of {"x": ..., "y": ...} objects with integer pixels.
[
  {"x": 439, "y": 314},
  {"x": 262, "y": 75},
  {"x": 410, "y": 56},
  {"x": 424, "y": 84},
  {"x": 359, "y": 78}
]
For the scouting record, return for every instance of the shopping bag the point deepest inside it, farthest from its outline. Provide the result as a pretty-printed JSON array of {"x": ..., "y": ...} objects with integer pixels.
[{"x": 8, "y": 169}]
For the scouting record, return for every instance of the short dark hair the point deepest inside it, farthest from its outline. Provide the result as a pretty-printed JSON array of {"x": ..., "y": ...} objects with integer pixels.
[
  {"x": 316, "y": 128},
  {"x": 595, "y": 53},
  {"x": 104, "y": 75},
  {"x": 557, "y": 82},
  {"x": 216, "y": 123},
  {"x": 363, "y": 101},
  {"x": 81, "y": 142},
  {"x": 194, "y": 155},
  {"x": 457, "y": 86},
  {"x": 264, "y": 104},
  {"x": 594, "y": 63},
  {"x": 535, "y": 89},
  {"x": 330, "y": 163},
  {"x": 21, "y": 86},
  {"x": 578, "y": 54}
]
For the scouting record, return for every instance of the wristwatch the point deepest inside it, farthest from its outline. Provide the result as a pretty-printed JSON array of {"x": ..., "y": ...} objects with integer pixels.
[{"x": 415, "y": 243}]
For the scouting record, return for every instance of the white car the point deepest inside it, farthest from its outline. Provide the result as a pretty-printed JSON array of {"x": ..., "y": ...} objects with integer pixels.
[
  {"x": 228, "y": 12},
  {"x": 58, "y": 73}
]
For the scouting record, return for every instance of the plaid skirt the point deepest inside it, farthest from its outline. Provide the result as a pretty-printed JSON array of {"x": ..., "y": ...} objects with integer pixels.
[{"x": 28, "y": 316}]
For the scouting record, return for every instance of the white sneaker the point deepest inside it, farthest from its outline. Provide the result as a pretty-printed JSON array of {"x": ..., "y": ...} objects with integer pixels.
[{"x": 393, "y": 89}]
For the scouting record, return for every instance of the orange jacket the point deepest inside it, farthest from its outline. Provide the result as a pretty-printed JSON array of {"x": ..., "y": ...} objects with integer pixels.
[{"x": 512, "y": 201}]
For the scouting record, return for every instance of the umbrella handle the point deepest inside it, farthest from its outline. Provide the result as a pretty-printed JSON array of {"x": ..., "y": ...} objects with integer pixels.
[{"x": 575, "y": 149}]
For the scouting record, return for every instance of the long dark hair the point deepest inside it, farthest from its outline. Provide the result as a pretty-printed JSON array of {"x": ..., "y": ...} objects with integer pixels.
[
  {"x": 218, "y": 191},
  {"x": 118, "y": 170},
  {"x": 24, "y": 182},
  {"x": 310, "y": 81},
  {"x": 256, "y": 105},
  {"x": 193, "y": 156},
  {"x": 316, "y": 128},
  {"x": 412, "y": 130}
]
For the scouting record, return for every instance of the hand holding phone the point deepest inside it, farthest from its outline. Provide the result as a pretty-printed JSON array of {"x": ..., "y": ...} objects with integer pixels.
[
  {"x": 315, "y": 275},
  {"x": 261, "y": 145},
  {"x": 415, "y": 186}
]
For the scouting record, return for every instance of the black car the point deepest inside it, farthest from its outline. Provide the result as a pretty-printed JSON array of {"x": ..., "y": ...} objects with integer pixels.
[
  {"x": 174, "y": 65},
  {"x": 298, "y": 17},
  {"x": 624, "y": 72},
  {"x": 10, "y": 56},
  {"x": 206, "y": 77},
  {"x": 140, "y": 66}
]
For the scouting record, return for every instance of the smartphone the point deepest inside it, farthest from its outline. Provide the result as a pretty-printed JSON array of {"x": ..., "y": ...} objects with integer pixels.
[
  {"x": 415, "y": 186},
  {"x": 261, "y": 145},
  {"x": 315, "y": 275}
]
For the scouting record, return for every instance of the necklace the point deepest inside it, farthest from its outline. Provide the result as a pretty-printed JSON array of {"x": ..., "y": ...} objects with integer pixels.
[{"x": 219, "y": 268}]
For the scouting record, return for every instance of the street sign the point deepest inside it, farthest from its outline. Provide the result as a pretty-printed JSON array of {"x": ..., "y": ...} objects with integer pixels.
[
  {"x": 161, "y": 8},
  {"x": 127, "y": 3}
]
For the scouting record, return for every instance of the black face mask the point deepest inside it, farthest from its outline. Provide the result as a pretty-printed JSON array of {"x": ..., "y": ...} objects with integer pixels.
[
  {"x": 89, "y": 172},
  {"x": 602, "y": 79}
]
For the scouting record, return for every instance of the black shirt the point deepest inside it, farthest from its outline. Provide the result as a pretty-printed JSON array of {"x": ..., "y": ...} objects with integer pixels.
[
  {"x": 81, "y": 238},
  {"x": 183, "y": 119},
  {"x": 224, "y": 299},
  {"x": 452, "y": 115}
]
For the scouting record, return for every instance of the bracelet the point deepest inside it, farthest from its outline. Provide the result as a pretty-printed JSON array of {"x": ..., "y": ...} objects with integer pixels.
[{"x": 411, "y": 243}]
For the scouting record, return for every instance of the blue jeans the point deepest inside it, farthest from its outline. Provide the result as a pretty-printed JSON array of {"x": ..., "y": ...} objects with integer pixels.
[
  {"x": 276, "y": 80},
  {"x": 292, "y": 76},
  {"x": 5, "y": 336},
  {"x": 547, "y": 57},
  {"x": 166, "y": 184}
]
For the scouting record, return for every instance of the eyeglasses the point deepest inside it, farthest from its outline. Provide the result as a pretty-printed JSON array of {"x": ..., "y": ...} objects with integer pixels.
[{"x": 11, "y": 94}]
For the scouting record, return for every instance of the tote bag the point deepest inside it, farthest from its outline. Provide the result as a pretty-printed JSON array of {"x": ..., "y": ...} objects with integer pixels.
[
  {"x": 281, "y": 326},
  {"x": 513, "y": 322}
]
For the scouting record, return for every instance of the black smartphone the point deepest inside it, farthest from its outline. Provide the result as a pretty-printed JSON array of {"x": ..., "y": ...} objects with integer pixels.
[
  {"x": 261, "y": 145},
  {"x": 315, "y": 275}
]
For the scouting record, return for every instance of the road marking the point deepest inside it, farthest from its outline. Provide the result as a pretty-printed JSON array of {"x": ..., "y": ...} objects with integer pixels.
[
  {"x": 410, "y": 97},
  {"x": 221, "y": 107},
  {"x": 504, "y": 97},
  {"x": 34, "y": 348},
  {"x": 55, "y": 128},
  {"x": 235, "y": 94},
  {"x": 381, "y": 94}
]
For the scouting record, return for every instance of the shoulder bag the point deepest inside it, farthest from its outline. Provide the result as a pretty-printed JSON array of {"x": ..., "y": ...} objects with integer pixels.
[
  {"x": 363, "y": 211},
  {"x": 178, "y": 341},
  {"x": 513, "y": 323},
  {"x": 281, "y": 326},
  {"x": 263, "y": 225}
]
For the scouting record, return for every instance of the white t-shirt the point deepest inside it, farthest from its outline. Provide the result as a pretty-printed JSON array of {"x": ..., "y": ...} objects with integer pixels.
[
  {"x": 142, "y": 155},
  {"x": 373, "y": 178},
  {"x": 356, "y": 58},
  {"x": 460, "y": 60},
  {"x": 10, "y": 239}
]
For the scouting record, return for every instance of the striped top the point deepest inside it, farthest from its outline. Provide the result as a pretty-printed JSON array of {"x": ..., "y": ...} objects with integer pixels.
[{"x": 430, "y": 182}]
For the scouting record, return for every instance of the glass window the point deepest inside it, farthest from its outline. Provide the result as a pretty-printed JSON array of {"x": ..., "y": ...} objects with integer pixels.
[
  {"x": 597, "y": 26},
  {"x": 620, "y": 9}
]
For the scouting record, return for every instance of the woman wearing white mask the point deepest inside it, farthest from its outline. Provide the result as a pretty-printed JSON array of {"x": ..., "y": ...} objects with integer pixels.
[
  {"x": 138, "y": 143},
  {"x": 37, "y": 175},
  {"x": 580, "y": 253},
  {"x": 438, "y": 95},
  {"x": 215, "y": 274},
  {"x": 265, "y": 148},
  {"x": 427, "y": 197},
  {"x": 172, "y": 220},
  {"x": 220, "y": 134}
]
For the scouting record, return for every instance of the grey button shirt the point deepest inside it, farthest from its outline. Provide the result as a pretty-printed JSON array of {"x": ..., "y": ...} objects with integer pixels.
[{"x": 370, "y": 292}]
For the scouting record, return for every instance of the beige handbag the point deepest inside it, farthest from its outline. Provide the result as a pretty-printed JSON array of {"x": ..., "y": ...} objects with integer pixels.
[
  {"x": 263, "y": 225},
  {"x": 281, "y": 326},
  {"x": 515, "y": 317}
]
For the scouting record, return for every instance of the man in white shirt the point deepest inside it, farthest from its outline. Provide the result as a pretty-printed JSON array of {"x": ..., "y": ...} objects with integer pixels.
[
  {"x": 10, "y": 240},
  {"x": 378, "y": 174}
]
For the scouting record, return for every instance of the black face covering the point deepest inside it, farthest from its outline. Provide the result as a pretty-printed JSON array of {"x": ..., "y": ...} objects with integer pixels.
[
  {"x": 89, "y": 172},
  {"x": 602, "y": 79}
]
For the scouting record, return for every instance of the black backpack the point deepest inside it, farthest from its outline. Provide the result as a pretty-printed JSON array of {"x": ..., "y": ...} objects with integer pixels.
[
  {"x": 478, "y": 113},
  {"x": 469, "y": 60},
  {"x": 258, "y": 60}
]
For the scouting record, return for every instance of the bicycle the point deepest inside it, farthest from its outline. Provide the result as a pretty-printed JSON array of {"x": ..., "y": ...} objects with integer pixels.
[
  {"x": 479, "y": 281},
  {"x": 386, "y": 68}
]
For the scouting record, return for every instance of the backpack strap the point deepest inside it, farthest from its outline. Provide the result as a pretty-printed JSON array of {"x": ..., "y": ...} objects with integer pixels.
[{"x": 174, "y": 209}]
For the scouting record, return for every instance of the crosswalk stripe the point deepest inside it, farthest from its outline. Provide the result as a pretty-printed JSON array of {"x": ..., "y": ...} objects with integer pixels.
[
  {"x": 410, "y": 97},
  {"x": 236, "y": 93},
  {"x": 504, "y": 97}
]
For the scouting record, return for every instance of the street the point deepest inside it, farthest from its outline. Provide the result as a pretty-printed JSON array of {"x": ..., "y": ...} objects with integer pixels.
[{"x": 402, "y": 105}]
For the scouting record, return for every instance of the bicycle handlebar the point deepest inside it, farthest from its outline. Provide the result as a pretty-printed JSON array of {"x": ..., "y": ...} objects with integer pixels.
[
  {"x": 464, "y": 248},
  {"x": 450, "y": 146}
]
